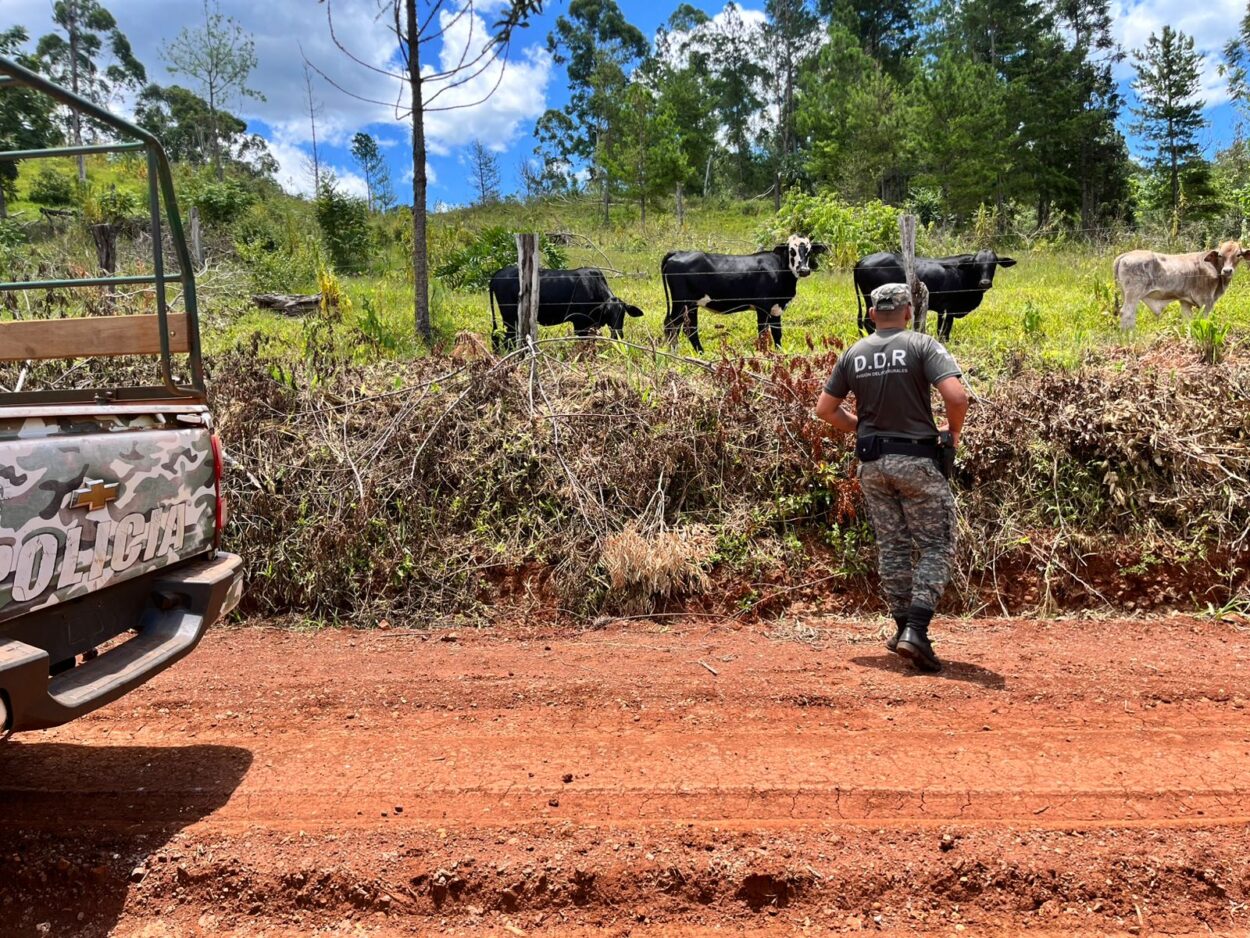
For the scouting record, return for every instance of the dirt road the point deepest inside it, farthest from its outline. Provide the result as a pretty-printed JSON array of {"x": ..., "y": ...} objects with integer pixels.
[{"x": 1060, "y": 777}]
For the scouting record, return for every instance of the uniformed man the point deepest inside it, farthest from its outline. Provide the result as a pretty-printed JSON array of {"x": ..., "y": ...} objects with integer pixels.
[{"x": 908, "y": 498}]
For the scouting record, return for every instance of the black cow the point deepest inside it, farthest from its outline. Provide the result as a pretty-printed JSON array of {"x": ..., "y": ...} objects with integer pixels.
[
  {"x": 728, "y": 283},
  {"x": 956, "y": 284},
  {"x": 580, "y": 296}
]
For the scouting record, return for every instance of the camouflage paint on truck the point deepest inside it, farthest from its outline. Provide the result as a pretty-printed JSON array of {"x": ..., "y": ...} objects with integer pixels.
[{"x": 86, "y": 501}]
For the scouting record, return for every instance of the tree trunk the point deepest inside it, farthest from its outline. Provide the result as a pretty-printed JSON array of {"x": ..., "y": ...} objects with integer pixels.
[
  {"x": 607, "y": 217},
  {"x": 74, "y": 117},
  {"x": 681, "y": 208},
  {"x": 4, "y": 203},
  {"x": 420, "y": 268},
  {"x": 105, "y": 237},
  {"x": 197, "y": 240},
  {"x": 212, "y": 125}
]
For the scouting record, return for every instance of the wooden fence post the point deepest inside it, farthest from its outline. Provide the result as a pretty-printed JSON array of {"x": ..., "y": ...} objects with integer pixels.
[
  {"x": 919, "y": 292},
  {"x": 197, "y": 239},
  {"x": 527, "y": 301}
]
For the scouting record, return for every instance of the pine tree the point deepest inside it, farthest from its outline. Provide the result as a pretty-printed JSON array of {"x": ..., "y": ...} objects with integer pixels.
[
  {"x": 1236, "y": 68},
  {"x": 736, "y": 81},
  {"x": 484, "y": 167},
  {"x": 372, "y": 165},
  {"x": 1169, "y": 113},
  {"x": 678, "y": 74}
]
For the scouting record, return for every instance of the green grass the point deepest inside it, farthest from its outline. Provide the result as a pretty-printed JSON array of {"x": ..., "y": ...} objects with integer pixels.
[{"x": 1056, "y": 305}]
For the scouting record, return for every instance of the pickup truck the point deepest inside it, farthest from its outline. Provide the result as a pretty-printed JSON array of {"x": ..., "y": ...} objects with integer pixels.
[{"x": 111, "y": 511}]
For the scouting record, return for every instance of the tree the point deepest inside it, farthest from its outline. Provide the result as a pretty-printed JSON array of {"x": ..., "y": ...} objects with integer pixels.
[
  {"x": 484, "y": 167},
  {"x": 962, "y": 131},
  {"x": 1169, "y": 113},
  {"x": 180, "y": 119},
  {"x": 377, "y": 176},
  {"x": 314, "y": 108},
  {"x": 646, "y": 153},
  {"x": 1236, "y": 67},
  {"x": 27, "y": 120},
  {"x": 677, "y": 72},
  {"x": 78, "y": 60},
  {"x": 597, "y": 45},
  {"x": 885, "y": 29},
  {"x": 412, "y": 30},
  {"x": 789, "y": 34},
  {"x": 737, "y": 79},
  {"x": 218, "y": 55}
]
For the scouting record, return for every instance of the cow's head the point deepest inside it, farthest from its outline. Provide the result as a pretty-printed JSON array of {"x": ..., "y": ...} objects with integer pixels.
[
  {"x": 801, "y": 255},
  {"x": 984, "y": 262},
  {"x": 612, "y": 314},
  {"x": 1227, "y": 257}
]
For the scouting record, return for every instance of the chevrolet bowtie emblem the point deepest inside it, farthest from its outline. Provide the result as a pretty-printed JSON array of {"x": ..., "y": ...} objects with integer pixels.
[{"x": 94, "y": 494}]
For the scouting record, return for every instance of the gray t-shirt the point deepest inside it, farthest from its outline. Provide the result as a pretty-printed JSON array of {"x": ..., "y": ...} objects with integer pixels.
[{"x": 890, "y": 373}]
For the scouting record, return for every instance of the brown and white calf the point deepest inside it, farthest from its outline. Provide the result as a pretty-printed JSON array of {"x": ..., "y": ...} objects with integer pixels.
[{"x": 1193, "y": 280}]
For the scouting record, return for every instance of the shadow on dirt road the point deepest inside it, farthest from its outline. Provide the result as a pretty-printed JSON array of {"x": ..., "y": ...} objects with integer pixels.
[
  {"x": 951, "y": 671},
  {"x": 60, "y": 877}
]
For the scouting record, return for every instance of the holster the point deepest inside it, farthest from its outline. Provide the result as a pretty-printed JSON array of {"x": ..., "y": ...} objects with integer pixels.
[
  {"x": 946, "y": 443},
  {"x": 868, "y": 448}
]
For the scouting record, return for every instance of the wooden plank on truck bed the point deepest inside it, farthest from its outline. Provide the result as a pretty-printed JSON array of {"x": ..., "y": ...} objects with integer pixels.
[{"x": 90, "y": 336}]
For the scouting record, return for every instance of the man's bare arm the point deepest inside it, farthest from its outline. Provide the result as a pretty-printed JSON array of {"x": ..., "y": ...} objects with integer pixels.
[
  {"x": 956, "y": 398},
  {"x": 832, "y": 411}
]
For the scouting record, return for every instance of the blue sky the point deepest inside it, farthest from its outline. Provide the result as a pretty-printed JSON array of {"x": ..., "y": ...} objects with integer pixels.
[{"x": 530, "y": 84}]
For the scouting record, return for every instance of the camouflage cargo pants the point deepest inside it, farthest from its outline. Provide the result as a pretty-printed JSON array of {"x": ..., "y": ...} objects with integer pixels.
[{"x": 913, "y": 515}]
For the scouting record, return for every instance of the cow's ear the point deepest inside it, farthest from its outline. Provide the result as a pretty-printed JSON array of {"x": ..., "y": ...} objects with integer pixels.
[
  {"x": 1006, "y": 262},
  {"x": 1213, "y": 258},
  {"x": 1246, "y": 254},
  {"x": 633, "y": 310},
  {"x": 813, "y": 255}
]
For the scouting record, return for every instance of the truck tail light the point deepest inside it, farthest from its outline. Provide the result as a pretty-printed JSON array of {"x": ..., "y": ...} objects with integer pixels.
[{"x": 218, "y": 469}]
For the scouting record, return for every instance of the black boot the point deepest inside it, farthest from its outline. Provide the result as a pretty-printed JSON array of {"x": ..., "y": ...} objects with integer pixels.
[
  {"x": 913, "y": 643},
  {"x": 900, "y": 620}
]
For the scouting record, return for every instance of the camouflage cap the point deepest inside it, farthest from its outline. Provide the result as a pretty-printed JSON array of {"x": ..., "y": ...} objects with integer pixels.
[{"x": 891, "y": 296}]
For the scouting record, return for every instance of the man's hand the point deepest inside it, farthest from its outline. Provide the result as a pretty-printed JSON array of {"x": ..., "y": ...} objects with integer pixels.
[
  {"x": 956, "y": 400},
  {"x": 945, "y": 427}
]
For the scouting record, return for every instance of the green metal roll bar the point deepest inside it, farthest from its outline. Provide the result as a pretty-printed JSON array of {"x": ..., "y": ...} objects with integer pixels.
[{"x": 160, "y": 184}]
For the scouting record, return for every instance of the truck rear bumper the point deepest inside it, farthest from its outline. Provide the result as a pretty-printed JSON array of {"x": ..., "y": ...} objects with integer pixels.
[{"x": 183, "y": 603}]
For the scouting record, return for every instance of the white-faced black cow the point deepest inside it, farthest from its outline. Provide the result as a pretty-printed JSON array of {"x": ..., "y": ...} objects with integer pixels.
[
  {"x": 729, "y": 283},
  {"x": 580, "y": 296},
  {"x": 957, "y": 284}
]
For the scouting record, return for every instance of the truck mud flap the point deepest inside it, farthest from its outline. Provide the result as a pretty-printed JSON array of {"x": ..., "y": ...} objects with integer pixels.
[{"x": 184, "y": 604}]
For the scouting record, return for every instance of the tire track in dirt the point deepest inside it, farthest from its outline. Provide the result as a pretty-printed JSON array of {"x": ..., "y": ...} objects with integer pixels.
[{"x": 545, "y": 780}]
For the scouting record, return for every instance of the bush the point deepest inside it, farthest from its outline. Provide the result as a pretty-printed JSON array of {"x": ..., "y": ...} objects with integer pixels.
[
  {"x": 850, "y": 231},
  {"x": 52, "y": 188},
  {"x": 221, "y": 203},
  {"x": 471, "y": 266},
  {"x": 344, "y": 223},
  {"x": 280, "y": 253}
]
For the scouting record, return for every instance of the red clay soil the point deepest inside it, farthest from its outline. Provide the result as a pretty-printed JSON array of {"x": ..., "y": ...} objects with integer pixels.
[{"x": 1072, "y": 777}]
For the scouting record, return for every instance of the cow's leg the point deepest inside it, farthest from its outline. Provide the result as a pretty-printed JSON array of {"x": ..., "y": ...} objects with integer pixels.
[
  {"x": 1157, "y": 306},
  {"x": 1187, "y": 311},
  {"x": 672, "y": 323},
  {"x": 945, "y": 321},
  {"x": 1128, "y": 312},
  {"x": 690, "y": 324},
  {"x": 509, "y": 315},
  {"x": 774, "y": 324}
]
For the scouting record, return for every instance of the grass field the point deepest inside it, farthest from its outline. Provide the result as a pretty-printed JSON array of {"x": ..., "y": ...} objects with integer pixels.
[{"x": 1056, "y": 305}]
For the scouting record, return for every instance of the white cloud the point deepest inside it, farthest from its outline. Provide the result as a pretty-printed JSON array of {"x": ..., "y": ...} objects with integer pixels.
[
  {"x": 518, "y": 94},
  {"x": 295, "y": 170},
  {"x": 1210, "y": 24},
  {"x": 281, "y": 28}
]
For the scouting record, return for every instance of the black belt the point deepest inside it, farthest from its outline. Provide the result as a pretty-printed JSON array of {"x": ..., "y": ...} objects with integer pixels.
[{"x": 901, "y": 446}]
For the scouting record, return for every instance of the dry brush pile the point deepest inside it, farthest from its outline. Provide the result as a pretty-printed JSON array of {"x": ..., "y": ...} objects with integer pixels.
[{"x": 605, "y": 483}]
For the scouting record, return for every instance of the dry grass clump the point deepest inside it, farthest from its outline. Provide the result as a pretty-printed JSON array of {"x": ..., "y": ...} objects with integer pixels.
[{"x": 644, "y": 567}]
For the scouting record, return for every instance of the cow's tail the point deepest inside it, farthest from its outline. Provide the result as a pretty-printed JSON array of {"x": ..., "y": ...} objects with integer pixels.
[
  {"x": 859, "y": 305},
  {"x": 494, "y": 325},
  {"x": 668, "y": 303}
]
